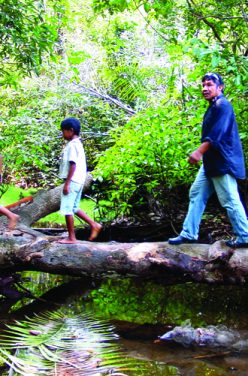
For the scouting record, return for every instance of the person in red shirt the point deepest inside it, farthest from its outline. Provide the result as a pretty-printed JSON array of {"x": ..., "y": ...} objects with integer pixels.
[{"x": 12, "y": 217}]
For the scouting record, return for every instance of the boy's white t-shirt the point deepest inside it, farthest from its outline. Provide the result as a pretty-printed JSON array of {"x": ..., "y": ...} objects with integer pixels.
[{"x": 73, "y": 152}]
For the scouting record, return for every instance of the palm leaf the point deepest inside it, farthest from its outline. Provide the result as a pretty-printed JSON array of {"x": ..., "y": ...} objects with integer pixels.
[
  {"x": 130, "y": 83},
  {"x": 19, "y": 365},
  {"x": 53, "y": 341}
]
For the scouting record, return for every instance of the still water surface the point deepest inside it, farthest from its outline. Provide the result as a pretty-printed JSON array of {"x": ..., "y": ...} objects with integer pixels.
[{"x": 141, "y": 311}]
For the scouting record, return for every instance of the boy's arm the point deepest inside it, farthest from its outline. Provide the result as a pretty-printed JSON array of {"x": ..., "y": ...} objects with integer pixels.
[{"x": 72, "y": 168}]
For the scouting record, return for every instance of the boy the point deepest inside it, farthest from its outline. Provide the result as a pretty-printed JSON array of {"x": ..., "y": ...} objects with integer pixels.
[
  {"x": 13, "y": 218},
  {"x": 73, "y": 172}
]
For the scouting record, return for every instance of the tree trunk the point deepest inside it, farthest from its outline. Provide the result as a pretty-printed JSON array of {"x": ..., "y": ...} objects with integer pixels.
[
  {"x": 44, "y": 203},
  {"x": 157, "y": 260},
  {"x": 26, "y": 249}
]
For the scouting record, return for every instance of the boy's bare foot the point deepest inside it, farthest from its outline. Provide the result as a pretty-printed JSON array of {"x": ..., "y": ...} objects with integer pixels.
[
  {"x": 67, "y": 241},
  {"x": 95, "y": 230},
  {"x": 13, "y": 221}
]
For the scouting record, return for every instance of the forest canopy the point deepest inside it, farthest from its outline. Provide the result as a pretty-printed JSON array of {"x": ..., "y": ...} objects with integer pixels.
[{"x": 28, "y": 32}]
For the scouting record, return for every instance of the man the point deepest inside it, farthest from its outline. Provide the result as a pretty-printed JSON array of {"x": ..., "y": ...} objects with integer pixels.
[{"x": 223, "y": 163}]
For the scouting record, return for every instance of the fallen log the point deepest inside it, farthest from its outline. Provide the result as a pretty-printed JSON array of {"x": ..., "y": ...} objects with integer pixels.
[
  {"x": 27, "y": 249},
  {"x": 158, "y": 260}
]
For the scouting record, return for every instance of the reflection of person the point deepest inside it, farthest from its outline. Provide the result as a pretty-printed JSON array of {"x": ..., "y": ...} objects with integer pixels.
[
  {"x": 73, "y": 172},
  {"x": 223, "y": 163},
  {"x": 12, "y": 217}
]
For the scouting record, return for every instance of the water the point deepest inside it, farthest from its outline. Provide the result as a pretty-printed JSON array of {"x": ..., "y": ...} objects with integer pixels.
[{"x": 138, "y": 312}]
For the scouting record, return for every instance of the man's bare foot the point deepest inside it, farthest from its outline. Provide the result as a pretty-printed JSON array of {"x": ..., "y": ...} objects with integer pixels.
[
  {"x": 95, "y": 230},
  {"x": 13, "y": 221},
  {"x": 67, "y": 241}
]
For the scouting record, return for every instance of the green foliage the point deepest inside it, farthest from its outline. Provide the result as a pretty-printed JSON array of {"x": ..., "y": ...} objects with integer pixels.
[
  {"x": 111, "y": 5},
  {"x": 30, "y": 128},
  {"x": 212, "y": 34},
  {"x": 29, "y": 142},
  {"x": 149, "y": 55},
  {"x": 149, "y": 156},
  {"x": 224, "y": 21},
  {"x": 27, "y": 34},
  {"x": 132, "y": 77}
]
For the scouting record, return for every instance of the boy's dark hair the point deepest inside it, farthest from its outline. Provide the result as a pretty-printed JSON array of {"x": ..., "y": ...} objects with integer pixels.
[
  {"x": 71, "y": 123},
  {"x": 215, "y": 77}
]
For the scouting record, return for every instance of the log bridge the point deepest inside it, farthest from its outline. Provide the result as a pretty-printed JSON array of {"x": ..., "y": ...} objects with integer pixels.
[{"x": 28, "y": 249}]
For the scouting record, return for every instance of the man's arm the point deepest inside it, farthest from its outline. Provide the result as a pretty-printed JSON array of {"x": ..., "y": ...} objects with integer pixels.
[{"x": 196, "y": 156}]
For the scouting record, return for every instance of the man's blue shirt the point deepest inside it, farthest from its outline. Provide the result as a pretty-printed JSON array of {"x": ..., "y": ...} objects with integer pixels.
[{"x": 225, "y": 155}]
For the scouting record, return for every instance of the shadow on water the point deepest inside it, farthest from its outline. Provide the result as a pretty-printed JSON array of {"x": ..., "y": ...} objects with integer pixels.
[{"x": 140, "y": 312}]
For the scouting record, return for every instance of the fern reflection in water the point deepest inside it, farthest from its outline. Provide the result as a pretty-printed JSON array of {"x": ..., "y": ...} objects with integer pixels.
[{"x": 53, "y": 344}]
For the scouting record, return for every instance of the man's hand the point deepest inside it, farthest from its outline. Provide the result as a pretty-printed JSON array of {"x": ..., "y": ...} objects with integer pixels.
[{"x": 195, "y": 157}]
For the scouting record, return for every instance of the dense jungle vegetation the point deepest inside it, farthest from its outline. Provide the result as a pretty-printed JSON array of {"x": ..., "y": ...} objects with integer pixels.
[{"x": 131, "y": 72}]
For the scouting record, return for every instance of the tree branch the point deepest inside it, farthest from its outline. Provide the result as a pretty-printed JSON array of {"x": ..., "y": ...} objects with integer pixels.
[
  {"x": 203, "y": 18},
  {"x": 105, "y": 97}
]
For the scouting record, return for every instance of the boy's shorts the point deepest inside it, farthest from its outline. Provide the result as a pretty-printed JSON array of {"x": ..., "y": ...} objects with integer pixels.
[{"x": 69, "y": 204}]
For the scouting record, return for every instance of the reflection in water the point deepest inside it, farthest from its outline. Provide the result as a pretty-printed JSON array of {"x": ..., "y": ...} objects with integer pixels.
[
  {"x": 141, "y": 311},
  {"x": 146, "y": 302}
]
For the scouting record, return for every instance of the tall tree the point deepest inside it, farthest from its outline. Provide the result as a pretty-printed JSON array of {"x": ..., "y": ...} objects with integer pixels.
[{"x": 28, "y": 32}]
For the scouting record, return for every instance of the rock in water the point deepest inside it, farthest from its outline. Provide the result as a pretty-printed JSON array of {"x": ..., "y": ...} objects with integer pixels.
[{"x": 211, "y": 336}]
